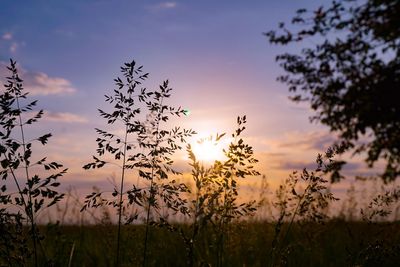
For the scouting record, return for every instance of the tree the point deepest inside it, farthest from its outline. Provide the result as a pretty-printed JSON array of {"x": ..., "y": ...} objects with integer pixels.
[{"x": 350, "y": 74}]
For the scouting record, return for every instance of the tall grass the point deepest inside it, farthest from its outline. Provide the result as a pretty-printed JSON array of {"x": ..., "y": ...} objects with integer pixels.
[
  {"x": 297, "y": 204},
  {"x": 34, "y": 192},
  {"x": 145, "y": 149},
  {"x": 216, "y": 205}
]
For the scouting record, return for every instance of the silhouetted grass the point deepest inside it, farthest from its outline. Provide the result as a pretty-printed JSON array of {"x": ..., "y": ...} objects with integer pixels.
[
  {"x": 336, "y": 243},
  {"x": 219, "y": 229}
]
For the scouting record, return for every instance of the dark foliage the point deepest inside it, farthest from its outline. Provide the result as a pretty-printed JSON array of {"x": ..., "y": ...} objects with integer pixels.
[
  {"x": 302, "y": 198},
  {"x": 350, "y": 75},
  {"x": 143, "y": 151},
  {"x": 311, "y": 244},
  {"x": 216, "y": 205},
  {"x": 33, "y": 192}
]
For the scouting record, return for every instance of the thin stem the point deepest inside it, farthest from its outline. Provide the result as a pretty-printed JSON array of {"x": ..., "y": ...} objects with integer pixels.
[
  {"x": 29, "y": 210},
  {"x": 294, "y": 215},
  {"x": 147, "y": 221},
  {"x": 120, "y": 197},
  {"x": 292, "y": 220},
  {"x": 198, "y": 181},
  {"x": 152, "y": 182},
  {"x": 223, "y": 223}
]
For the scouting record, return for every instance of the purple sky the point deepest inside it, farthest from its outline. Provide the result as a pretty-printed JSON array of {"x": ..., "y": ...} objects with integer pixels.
[{"x": 213, "y": 52}]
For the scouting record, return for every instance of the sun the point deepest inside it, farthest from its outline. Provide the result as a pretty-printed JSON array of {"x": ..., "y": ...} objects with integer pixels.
[{"x": 209, "y": 150}]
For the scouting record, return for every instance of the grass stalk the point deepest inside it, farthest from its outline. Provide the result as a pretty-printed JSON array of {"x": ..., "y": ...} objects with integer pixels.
[
  {"x": 28, "y": 208},
  {"x": 120, "y": 198},
  {"x": 152, "y": 195}
]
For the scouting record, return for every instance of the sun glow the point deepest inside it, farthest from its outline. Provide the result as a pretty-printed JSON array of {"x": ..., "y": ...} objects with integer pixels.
[{"x": 209, "y": 150}]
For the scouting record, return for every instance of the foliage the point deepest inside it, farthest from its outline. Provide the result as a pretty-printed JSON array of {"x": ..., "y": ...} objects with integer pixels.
[
  {"x": 145, "y": 150},
  {"x": 13, "y": 244},
  {"x": 34, "y": 193},
  {"x": 381, "y": 206},
  {"x": 216, "y": 203},
  {"x": 350, "y": 74},
  {"x": 302, "y": 205}
]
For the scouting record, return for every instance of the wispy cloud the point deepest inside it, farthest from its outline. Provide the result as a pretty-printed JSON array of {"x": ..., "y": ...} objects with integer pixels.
[
  {"x": 64, "y": 117},
  {"x": 39, "y": 83},
  {"x": 13, "y": 45},
  {"x": 319, "y": 141},
  {"x": 349, "y": 167},
  {"x": 167, "y": 5},
  {"x": 7, "y": 36},
  {"x": 162, "y": 6}
]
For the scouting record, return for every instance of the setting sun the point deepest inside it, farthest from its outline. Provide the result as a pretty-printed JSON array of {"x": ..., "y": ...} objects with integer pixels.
[{"x": 209, "y": 150}]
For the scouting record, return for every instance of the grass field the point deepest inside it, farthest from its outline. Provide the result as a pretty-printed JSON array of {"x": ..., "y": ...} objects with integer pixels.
[{"x": 336, "y": 243}]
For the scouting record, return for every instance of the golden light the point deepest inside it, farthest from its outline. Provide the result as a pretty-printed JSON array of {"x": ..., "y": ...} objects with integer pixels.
[{"x": 209, "y": 150}]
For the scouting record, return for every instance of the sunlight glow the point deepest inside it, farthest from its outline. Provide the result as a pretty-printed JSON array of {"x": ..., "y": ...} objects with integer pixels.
[{"x": 208, "y": 150}]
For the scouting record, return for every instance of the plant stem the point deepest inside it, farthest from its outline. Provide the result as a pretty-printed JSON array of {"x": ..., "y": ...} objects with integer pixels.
[
  {"x": 152, "y": 181},
  {"x": 294, "y": 214},
  {"x": 290, "y": 223},
  {"x": 29, "y": 207},
  {"x": 120, "y": 197},
  {"x": 147, "y": 221},
  {"x": 198, "y": 182}
]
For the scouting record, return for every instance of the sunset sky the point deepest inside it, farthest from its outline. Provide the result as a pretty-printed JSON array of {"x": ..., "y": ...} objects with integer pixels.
[{"x": 213, "y": 53}]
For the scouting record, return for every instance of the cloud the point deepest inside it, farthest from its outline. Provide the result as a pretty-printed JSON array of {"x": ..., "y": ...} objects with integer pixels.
[
  {"x": 319, "y": 141},
  {"x": 163, "y": 5},
  {"x": 11, "y": 43},
  {"x": 352, "y": 167},
  {"x": 13, "y": 47},
  {"x": 39, "y": 83},
  {"x": 64, "y": 117},
  {"x": 7, "y": 36}
]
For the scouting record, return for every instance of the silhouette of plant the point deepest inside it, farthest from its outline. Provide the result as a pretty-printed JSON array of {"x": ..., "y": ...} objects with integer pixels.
[
  {"x": 145, "y": 150},
  {"x": 13, "y": 243},
  {"x": 306, "y": 205},
  {"x": 216, "y": 191},
  {"x": 34, "y": 193},
  {"x": 201, "y": 176},
  {"x": 381, "y": 206},
  {"x": 375, "y": 246}
]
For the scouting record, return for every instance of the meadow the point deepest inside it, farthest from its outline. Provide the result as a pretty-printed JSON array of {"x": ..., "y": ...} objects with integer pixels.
[{"x": 335, "y": 243}]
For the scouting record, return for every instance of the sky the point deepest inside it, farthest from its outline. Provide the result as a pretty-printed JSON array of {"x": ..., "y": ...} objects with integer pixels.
[{"x": 214, "y": 53}]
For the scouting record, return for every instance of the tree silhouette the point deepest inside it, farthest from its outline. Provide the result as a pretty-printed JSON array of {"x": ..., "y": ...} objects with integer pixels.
[{"x": 350, "y": 74}]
